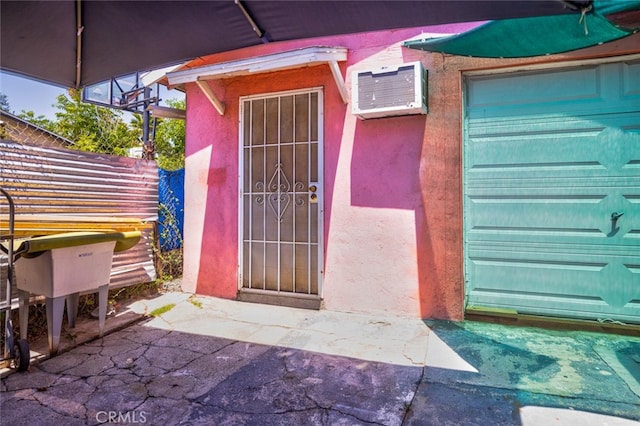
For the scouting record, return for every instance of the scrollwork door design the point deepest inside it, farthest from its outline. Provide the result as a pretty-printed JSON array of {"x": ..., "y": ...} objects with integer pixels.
[{"x": 281, "y": 197}]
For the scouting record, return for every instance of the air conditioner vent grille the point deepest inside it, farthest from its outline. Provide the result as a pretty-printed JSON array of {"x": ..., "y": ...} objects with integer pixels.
[{"x": 390, "y": 89}]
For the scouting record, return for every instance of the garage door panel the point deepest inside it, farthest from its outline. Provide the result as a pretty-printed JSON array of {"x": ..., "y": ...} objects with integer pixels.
[
  {"x": 540, "y": 277},
  {"x": 490, "y": 96},
  {"x": 567, "y": 215},
  {"x": 534, "y": 253},
  {"x": 581, "y": 147},
  {"x": 529, "y": 154},
  {"x": 549, "y": 305},
  {"x": 585, "y": 90},
  {"x": 501, "y": 185},
  {"x": 543, "y": 214},
  {"x": 542, "y": 181},
  {"x": 543, "y": 122},
  {"x": 550, "y": 235},
  {"x": 531, "y": 281},
  {"x": 578, "y": 212},
  {"x": 630, "y": 80}
]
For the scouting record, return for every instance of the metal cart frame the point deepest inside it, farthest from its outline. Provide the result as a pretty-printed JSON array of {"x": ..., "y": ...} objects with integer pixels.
[{"x": 16, "y": 351}]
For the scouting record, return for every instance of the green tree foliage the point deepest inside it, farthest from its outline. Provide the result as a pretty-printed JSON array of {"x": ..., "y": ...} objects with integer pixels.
[
  {"x": 93, "y": 128},
  {"x": 30, "y": 116},
  {"x": 40, "y": 121},
  {"x": 4, "y": 103},
  {"x": 100, "y": 129},
  {"x": 169, "y": 139},
  {"x": 4, "y": 106}
]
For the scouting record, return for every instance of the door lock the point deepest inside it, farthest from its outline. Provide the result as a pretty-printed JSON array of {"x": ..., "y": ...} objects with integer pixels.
[{"x": 313, "y": 197}]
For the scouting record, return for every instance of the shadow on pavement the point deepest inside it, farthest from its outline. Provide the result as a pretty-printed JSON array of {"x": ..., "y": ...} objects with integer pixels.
[{"x": 522, "y": 375}]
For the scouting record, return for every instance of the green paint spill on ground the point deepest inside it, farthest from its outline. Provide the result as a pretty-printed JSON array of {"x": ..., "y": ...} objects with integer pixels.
[{"x": 162, "y": 310}]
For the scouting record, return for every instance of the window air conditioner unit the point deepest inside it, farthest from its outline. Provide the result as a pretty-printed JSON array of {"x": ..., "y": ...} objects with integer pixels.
[{"x": 389, "y": 91}]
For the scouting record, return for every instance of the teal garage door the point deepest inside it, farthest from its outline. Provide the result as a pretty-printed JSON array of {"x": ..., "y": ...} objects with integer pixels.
[{"x": 552, "y": 192}]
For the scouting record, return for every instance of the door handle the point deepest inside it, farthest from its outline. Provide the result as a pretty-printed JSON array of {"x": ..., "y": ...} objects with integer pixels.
[
  {"x": 313, "y": 197},
  {"x": 615, "y": 216}
]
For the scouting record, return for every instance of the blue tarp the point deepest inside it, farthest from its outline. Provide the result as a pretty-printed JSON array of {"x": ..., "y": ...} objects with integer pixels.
[{"x": 171, "y": 210}]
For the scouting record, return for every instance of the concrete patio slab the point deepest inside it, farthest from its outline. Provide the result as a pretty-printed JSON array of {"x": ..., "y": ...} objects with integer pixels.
[{"x": 211, "y": 361}]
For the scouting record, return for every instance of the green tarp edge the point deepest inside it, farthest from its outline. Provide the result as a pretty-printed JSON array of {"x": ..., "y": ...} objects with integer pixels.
[
  {"x": 526, "y": 37},
  {"x": 33, "y": 247},
  {"x": 608, "y": 7}
]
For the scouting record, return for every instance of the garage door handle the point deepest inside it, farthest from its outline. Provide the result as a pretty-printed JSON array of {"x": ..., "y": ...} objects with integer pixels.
[{"x": 615, "y": 216}]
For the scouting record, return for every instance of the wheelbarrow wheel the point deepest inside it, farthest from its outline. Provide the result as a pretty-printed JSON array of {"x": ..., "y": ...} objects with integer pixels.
[{"x": 23, "y": 356}]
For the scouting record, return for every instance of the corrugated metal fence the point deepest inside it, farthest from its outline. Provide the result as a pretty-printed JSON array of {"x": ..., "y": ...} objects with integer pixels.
[{"x": 46, "y": 181}]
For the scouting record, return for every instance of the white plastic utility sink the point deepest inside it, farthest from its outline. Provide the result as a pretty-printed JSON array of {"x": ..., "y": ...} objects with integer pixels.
[
  {"x": 60, "y": 267},
  {"x": 63, "y": 271}
]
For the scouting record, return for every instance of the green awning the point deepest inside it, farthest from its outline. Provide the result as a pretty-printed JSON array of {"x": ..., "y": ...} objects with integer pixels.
[{"x": 526, "y": 37}]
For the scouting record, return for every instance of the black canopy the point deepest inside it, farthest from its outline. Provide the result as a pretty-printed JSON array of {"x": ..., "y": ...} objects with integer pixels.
[{"x": 80, "y": 42}]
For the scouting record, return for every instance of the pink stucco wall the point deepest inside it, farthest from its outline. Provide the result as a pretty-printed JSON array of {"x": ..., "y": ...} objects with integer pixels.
[{"x": 393, "y": 225}]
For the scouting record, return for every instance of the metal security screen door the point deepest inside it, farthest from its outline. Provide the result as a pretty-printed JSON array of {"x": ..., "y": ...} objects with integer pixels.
[{"x": 281, "y": 193}]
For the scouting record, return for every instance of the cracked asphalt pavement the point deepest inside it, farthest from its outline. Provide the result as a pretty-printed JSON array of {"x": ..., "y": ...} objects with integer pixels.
[
  {"x": 168, "y": 377},
  {"x": 207, "y": 361}
]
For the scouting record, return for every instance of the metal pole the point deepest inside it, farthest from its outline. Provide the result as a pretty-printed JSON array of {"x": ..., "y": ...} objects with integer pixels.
[{"x": 148, "y": 149}]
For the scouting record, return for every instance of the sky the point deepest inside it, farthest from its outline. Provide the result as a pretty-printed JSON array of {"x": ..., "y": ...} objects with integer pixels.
[{"x": 31, "y": 95}]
